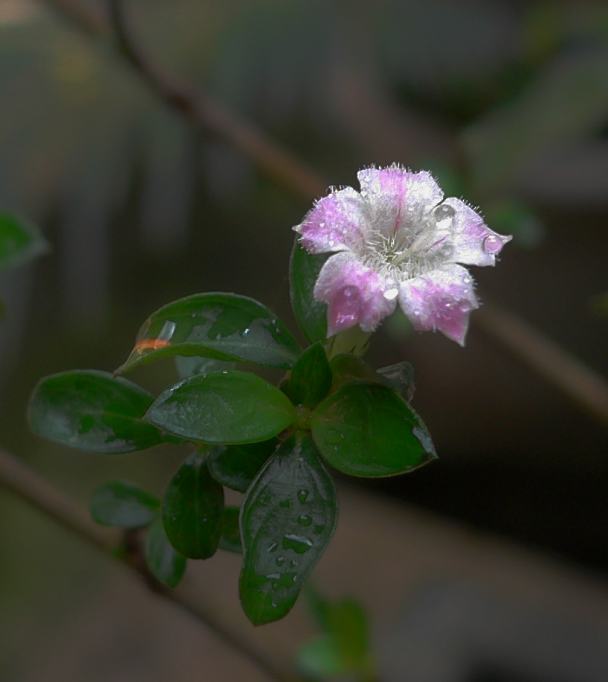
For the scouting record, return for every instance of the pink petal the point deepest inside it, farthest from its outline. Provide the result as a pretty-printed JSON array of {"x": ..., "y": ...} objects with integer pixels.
[
  {"x": 473, "y": 242},
  {"x": 353, "y": 293},
  {"x": 396, "y": 196},
  {"x": 334, "y": 223},
  {"x": 440, "y": 300}
]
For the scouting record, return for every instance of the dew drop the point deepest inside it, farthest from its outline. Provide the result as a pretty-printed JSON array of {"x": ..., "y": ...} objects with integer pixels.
[
  {"x": 303, "y": 495},
  {"x": 444, "y": 216},
  {"x": 298, "y": 543},
  {"x": 273, "y": 546},
  {"x": 304, "y": 520},
  {"x": 492, "y": 244},
  {"x": 279, "y": 561},
  {"x": 246, "y": 332}
]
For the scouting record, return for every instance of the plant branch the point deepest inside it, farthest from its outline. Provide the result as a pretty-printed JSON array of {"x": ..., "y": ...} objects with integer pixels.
[
  {"x": 565, "y": 371},
  {"x": 19, "y": 479},
  {"x": 525, "y": 342}
]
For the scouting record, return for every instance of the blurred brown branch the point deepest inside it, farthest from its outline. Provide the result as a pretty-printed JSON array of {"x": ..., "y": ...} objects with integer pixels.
[
  {"x": 19, "y": 479},
  {"x": 527, "y": 343}
]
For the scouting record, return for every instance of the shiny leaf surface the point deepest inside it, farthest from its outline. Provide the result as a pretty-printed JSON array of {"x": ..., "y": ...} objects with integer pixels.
[
  {"x": 310, "y": 378},
  {"x": 235, "y": 466},
  {"x": 311, "y": 315},
  {"x": 192, "y": 509},
  {"x": 124, "y": 505},
  {"x": 93, "y": 411},
  {"x": 224, "y": 407},
  {"x": 287, "y": 519},
  {"x": 367, "y": 430},
  {"x": 218, "y": 326}
]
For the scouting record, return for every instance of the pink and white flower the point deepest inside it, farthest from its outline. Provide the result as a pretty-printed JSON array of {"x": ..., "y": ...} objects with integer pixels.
[{"x": 398, "y": 239}]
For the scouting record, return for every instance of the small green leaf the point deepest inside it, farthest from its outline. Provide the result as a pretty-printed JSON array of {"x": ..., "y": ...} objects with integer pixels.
[
  {"x": 400, "y": 377},
  {"x": 19, "y": 242},
  {"x": 344, "y": 648},
  {"x": 311, "y": 315},
  {"x": 224, "y": 407},
  {"x": 320, "y": 658},
  {"x": 93, "y": 411},
  {"x": 287, "y": 519},
  {"x": 217, "y": 326},
  {"x": 192, "y": 509},
  {"x": 346, "y": 368},
  {"x": 189, "y": 366},
  {"x": 124, "y": 505},
  {"x": 310, "y": 378},
  {"x": 366, "y": 429},
  {"x": 165, "y": 564},
  {"x": 235, "y": 466},
  {"x": 231, "y": 534}
]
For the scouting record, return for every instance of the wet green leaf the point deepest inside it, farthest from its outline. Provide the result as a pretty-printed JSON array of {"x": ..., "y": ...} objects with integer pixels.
[
  {"x": 93, "y": 411},
  {"x": 310, "y": 378},
  {"x": 19, "y": 242},
  {"x": 235, "y": 466},
  {"x": 346, "y": 368},
  {"x": 223, "y": 407},
  {"x": 287, "y": 520},
  {"x": 218, "y": 326},
  {"x": 366, "y": 429},
  {"x": 192, "y": 509},
  {"x": 189, "y": 366},
  {"x": 124, "y": 505},
  {"x": 311, "y": 315},
  {"x": 165, "y": 564},
  {"x": 231, "y": 534}
]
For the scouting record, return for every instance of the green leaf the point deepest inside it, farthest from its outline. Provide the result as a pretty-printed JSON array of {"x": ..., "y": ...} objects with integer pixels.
[
  {"x": 320, "y": 658},
  {"x": 93, "y": 411},
  {"x": 311, "y": 315},
  {"x": 217, "y": 326},
  {"x": 192, "y": 509},
  {"x": 165, "y": 564},
  {"x": 224, "y": 407},
  {"x": 189, "y": 366},
  {"x": 124, "y": 505},
  {"x": 344, "y": 647},
  {"x": 235, "y": 466},
  {"x": 287, "y": 520},
  {"x": 347, "y": 368},
  {"x": 19, "y": 242},
  {"x": 366, "y": 429},
  {"x": 310, "y": 378},
  {"x": 231, "y": 533}
]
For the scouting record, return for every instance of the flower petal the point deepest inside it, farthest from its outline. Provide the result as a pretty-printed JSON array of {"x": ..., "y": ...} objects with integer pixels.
[
  {"x": 335, "y": 222},
  {"x": 397, "y": 197},
  {"x": 473, "y": 242},
  {"x": 440, "y": 300},
  {"x": 354, "y": 294}
]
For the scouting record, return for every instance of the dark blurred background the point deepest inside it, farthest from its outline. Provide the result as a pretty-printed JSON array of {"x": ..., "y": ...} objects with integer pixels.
[{"x": 507, "y": 102}]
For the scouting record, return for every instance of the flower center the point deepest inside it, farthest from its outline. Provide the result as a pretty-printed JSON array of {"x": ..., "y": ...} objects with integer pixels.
[{"x": 415, "y": 248}]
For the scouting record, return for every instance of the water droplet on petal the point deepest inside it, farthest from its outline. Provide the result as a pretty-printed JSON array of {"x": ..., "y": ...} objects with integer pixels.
[
  {"x": 298, "y": 543},
  {"x": 279, "y": 561},
  {"x": 304, "y": 519},
  {"x": 391, "y": 294},
  {"x": 492, "y": 244},
  {"x": 303, "y": 495},
  {"x": 444, "y": 216}
]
